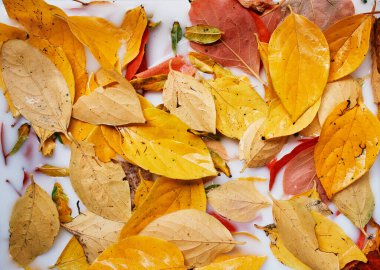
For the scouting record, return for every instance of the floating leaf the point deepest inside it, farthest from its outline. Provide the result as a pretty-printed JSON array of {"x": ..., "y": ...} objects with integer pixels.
[
  {"x": 237, "y": 263},
  {"x": 72, "y": 257},
  {"x": 203, "y": 34},
  {"x": 176, "y": 35},
  {"x": 33, "y": 225},
  {"x": 137, "y": 251},
  {"x": 238, "y": 200},
  {"x": 356, "y": 201},
  {"x": 190, "y": 101},
  {"x": 100, "y": 186},
  {"x": 155, "y": 83},
  {"x": 349, "y": 42},
  {"x": 24, "y": 65},
  {"x": 299, "y": 63},
  {"x": 165, "y": 196},
  {"x": 23, "y": 133},
  {"x": 53, "y": 170},
  {"x": 347, "y": 147},
  {"x": 94, "y": 233},
  {"x": 199, "y": 236},
  {"x": 62, "y": 202}
]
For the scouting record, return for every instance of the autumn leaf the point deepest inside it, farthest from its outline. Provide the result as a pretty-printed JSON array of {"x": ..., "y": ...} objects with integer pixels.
[
  {"x": 23, "y": 133},
  {"x": 236, "y": 263},
  {"x": 34, "y": 224},
  {"x": 201, "y": 62},
  {"x": 100, "y": 186},
  {"x": 62, "y": 203},
  {"x": 94, "y": 233},
  {"x": 349, "y": 42},
  {"x": 313, "y": 129},
  {"x": 219, "y": 163},
  {"x": 190, "y": 101},
  {"x": 102, "y": 149},
  {"x": 203, "y": 34},
  {"x": 136, "y": 251},
  {"x": 347, "y": 147},
  {"x": 72, "y": 257},
  {"x": 142, "y": 191},
  {"x": 299, "y": 63},
  {"x": 271, "y": 19},
  {"x": 237, "y": 200},
  {"x": 269, "y": 92},
  {"x": 164, "y": 197},
  {"x": 176, "y": 35},
  {"x": 235, "y": 24},
  {"x": 322, "y": 12},
  {"x": 155, "y": 83},
  {"x": 53, "y": 171},
  {"x": 356, "y": 201},
  {"x": 199, "y": 236},
  {"x": 375, "y": 57}
]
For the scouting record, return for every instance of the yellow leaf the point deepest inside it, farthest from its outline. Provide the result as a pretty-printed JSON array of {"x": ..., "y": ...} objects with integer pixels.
[
  {"x": 155, "y": 83},
  {"x": 62, "y": 202},
  {"x": 102, "y": 149},
  {"x": 203, "y": 34},
  {"x": 142, "y": 190},
  {"x": 349, "y": 42},
  {"x": 347, "y": 148},
  {"x": 165, "y": 196},
  {"x": 219, "y": 163},
  {"x": 238, "y": 263},
  {"x": 263, "y": 50},
  {"x": 298, "y": 56},
  {"x": 237, "y": 105},
  {"x": 202, "y": 62},
  {"x": 279, "y": 123},
  {"x": 134, "y": 24},
  {"x": 140, "y": 253},
  {"x": 39, "y": 19},
  {"x": 53, "y": 170},
  {"x": 331, "y": 238},
  {"x": 72, "y": 257}
]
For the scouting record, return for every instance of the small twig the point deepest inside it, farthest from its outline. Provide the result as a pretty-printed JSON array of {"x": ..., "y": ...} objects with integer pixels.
[
  {"x": 2, "y": 143},
  {"x": 78, "y": 207},
  {"x": 13, "y": 187}
]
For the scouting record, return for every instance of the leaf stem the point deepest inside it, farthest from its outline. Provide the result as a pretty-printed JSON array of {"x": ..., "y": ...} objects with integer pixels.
[{"x": 2, "y": 143}]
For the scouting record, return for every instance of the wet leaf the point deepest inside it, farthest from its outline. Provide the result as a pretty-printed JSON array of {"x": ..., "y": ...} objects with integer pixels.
[
  {"x": 94, "y": 233},
  {"x": 136, "y": 251},
  {"x": 23, "y": 133},
  {"x": 349, "y": 42},
  {"x": 220, "y": 164},
  {"x": 299, "y": 63},
  {"x": 62, "y": 203},
  {"x": 203, "y": 34},
  {"x": 100, "y": 186},
  {"x": 72, "y": 257},
  {"x": 155, "y": 83},
  {"x": 53, "y": 171},
  {"x": 190, "y": 101},
  {"x": 199, "y": 236},
  {"x": 34, "y": 224},
  {"x": 24, "y": 65},
  {"x": 176, "y": 35},
  {"x": 237, "y": 200},
  {"x": 164, "y": 197},
  {"x": 237, "y": 263},
  {"x": 347, "y": 147},
  {"x": 356, "y": 201}
]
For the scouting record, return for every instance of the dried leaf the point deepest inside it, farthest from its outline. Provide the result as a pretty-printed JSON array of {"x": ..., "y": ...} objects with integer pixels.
[
  {"x": 94, "y": 233},
  {"x": 165, "y": 196},
  {"x": 347, "y": 147},
  {"x": 220, "y": 164},
  {"x": 322, "y": 12},
  {"x": 134, "y": 24},
  {"x": 311, "y": 199},
  {"x": 296, "y": 229},
  {"x": 201, "y": 62},
  {"x": 176, "y": 35},
  {"x": 140, "y": 252},
  {"x": 23, "y": 66},
  {"x": 190, "y": 101},
  {"x": 256, "y": 150},
  {"x": 100, "y": 186},
  {"x": 356, "y": 201},
  {"x": 53, "y": 170},
  {"x": 102, "y": 149},
  {"x": 47, "y": 148},
  {"x": 142, "y": 191},
  {"x": 263, "y": 50},
  {"x": 112, "y": 106},
  {"x": 23, "y": 133},
  {"x": 313, "y": 129},
  {"x": 203, "y": 34},
  {"x": 238, "y": 263},
  {"x": 62, "y": 202},
  {"x": 349, "y": 42},
  {"x": 238, "y": 200},
  {"x": 299, "y": 63},
  {"x": 218, "y": 148},
  {"x": 237, "y": 105},
  {"x": 331, "y": 238},
  {"x": 375, "y": 56},
  {"x": 236, "y": 48},
  {"x": 155, "y": 83},
  {"x": 33, "y": 226},
  {"x": 72, "y": 257},
  {"x": 271, "y": 19},
  {"x": 199, "y": 236}
]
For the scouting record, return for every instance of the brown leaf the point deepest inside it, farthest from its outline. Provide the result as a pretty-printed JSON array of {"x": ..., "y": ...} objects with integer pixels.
[{"x": 375, "y": 53}]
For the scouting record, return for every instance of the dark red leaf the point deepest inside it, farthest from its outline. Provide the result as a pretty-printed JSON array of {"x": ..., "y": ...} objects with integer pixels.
[
  {"x": 271, "y": 19},
  {"x": 224, "y": 221},
  {"x": 372, "y": 264},
  {"x": 135, "y": 64}
]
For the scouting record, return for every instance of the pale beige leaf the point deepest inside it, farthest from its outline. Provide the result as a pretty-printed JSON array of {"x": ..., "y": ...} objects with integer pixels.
[
  {"x": 190, "y": 101},
  {"x": 37, "y": 88},
  {"x": 255, "y": 149},
  {"x": 238, "y": 200},
  {"x": 336, "y": 93},
  {"x": 295, "y": 227},
  {"x": 42, "y": 134},
  {"x": 313, "y": 129},
  {"x": 100, "y": 186},
  {"x": 199, "y": 236},
  {"x": 356, "y": 201},
  {"x": 33, "y": 226},
  {"x": 94, "y": 233},
  {"x": 113, "y": 106}
]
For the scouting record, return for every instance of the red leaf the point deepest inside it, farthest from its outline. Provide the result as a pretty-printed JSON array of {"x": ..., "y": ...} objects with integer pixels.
[
  {"x": 361, "y": 239},
  {"x": 263, "y": 32},
  {"x": 271, "y": 19},
  {"x": 238, "y": 47},
  {"x": 177, "y": 64},
  {"x": 135, "y": 64},
  {"x": 224, "y": 221},
  {"x": 372, "y": 264}
]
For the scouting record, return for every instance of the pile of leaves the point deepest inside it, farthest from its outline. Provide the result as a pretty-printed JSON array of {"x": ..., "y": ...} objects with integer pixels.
[{"x": 141, "y": 170}]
